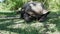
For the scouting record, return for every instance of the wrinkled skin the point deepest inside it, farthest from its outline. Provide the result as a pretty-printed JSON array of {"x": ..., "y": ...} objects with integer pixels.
[{"x": 35, "y": 10}]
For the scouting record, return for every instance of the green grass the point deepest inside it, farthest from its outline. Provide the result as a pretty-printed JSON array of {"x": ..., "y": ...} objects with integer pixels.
[{"x": 19, "y": 26}]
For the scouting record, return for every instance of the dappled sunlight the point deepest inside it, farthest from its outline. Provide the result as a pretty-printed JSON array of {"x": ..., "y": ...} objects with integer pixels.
[
  {"x": 5, "y": 22},
  {"x": 21, "y": 26},
  {"x": 6, "y": 32},
  {"x": 37, "y": 25},
  {"x": 51, "y": 26},
  {"x": 11, "y": 23},
  {"x": 56, "y": 32},
  {"x": 55, "y": 19},
  {"x": 24, "y": 26}
]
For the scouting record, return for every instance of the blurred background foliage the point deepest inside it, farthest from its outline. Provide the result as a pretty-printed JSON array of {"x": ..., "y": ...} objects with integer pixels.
[
  {"x": 19, "y": 26},
  {"x": 51, "y": 5}
]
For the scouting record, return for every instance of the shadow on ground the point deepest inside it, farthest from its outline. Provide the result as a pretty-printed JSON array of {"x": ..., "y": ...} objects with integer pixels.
[
  {"x": 55, "y": 19},
  {"x": 19, "y": 26}
]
